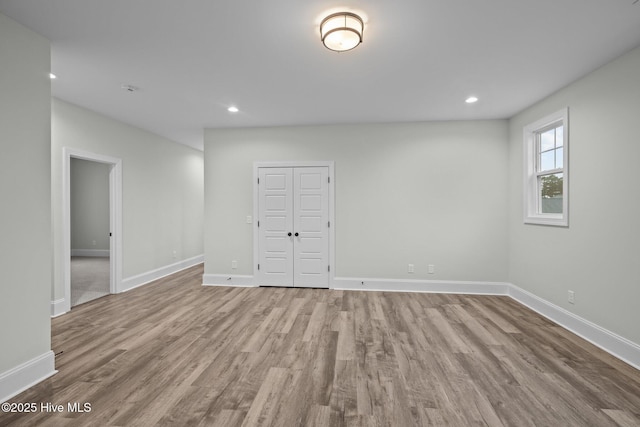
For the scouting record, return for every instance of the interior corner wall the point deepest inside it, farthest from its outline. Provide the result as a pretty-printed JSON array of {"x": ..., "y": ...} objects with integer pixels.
[
  {"x": 89, "y": 205},
  {"x": 25, "y": 216},
  {"x": 597, "y": 255},
  {"x": 162, "y": 186},
  {"x": 420, "y": 193}
]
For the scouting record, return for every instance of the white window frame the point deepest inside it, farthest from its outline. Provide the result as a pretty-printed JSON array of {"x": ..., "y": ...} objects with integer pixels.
[{"x": 532, "y": 194}]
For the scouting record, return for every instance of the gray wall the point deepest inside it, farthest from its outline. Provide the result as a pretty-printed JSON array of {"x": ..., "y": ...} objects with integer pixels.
[
  {"x": 597, "y": 255},
  {"x": 89, "y": 205},
  {"x": 162, "y": 201},
  {"x": 25, "y": 215},
  {"x": 420, "y": 193}
]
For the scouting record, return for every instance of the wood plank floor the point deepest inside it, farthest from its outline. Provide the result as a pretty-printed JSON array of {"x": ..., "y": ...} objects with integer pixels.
[{"x": 175, "y": 353}]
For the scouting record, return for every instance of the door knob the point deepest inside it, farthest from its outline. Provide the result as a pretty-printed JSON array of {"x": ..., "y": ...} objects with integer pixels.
[
  {"x": 296, "y": 234},
  {"x": 289, "y": 234}
]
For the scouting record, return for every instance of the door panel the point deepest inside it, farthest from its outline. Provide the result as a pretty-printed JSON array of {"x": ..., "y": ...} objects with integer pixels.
[
  {"x": 293, "y": 200},
  {"x": 311, "y": 218},
  {"x": 275, "y": 216}
]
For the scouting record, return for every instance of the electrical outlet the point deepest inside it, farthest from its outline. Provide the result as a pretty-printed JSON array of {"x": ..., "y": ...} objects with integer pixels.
[
  {"x": 93, "y": 243},
  {"x": 175, "y": 254},
  {"x": 411, "y": 268},
  {"x": 249, "y": 219},
  {"x": 571, "y": 296},
  {"x": 431, "y": 269},
  {"x": 234, "y": 264}
]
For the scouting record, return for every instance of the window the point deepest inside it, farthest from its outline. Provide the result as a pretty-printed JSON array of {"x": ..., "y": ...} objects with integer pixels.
[{"x": 546, "y": 166}]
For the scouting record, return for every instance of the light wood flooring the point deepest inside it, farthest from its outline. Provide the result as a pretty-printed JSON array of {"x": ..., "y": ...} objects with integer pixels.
[{"x": 175, "y": 353}]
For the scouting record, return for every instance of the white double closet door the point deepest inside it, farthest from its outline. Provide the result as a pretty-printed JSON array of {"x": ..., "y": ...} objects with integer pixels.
[{"x": 293, "y": 244}]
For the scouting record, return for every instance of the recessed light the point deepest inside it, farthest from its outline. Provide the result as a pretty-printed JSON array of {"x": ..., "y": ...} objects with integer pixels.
[
  {"x": 471, "y": 100},
  {"x": 52, "y": 76},
  {"x": 233, "y": 109}
]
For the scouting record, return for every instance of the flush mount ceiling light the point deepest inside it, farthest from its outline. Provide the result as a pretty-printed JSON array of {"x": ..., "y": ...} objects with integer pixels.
[
  {"x": 471, "y": 99},
  {"x": 341, "y": 31},
  {"x": 233, "y": 109}
]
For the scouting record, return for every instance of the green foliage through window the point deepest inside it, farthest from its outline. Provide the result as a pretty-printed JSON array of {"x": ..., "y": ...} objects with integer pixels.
[{"x": 551, "y": 185}]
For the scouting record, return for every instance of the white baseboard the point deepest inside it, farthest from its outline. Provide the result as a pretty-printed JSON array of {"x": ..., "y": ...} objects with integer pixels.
[
  {"x": 391, "y": 285},
  {"x": 58, "y": 307},
  {"x": 430, "y": 286},
  {"x": 144, "y": 278},
  {"x": 228, "y": 280},
  {"x": 26, "y": 375},
  {"x": 91, "y": 252},
  {"x": 617, "y": 346}
]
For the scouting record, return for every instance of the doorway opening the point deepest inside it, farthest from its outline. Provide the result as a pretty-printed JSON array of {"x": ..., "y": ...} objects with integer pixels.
[
  {"x": 90, "y": 240},
  {"x": 92, "y": 226}
]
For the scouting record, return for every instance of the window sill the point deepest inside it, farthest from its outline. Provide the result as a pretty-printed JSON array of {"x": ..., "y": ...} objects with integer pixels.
[{"x": 552, "y": 220}]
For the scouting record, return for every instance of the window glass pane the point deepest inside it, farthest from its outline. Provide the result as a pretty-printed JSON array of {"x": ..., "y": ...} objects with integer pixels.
[
  {"x": 547, "y": 140},
  {"x": 551, "y": 196},
  {"x": 547, "y": 161},
  {"x": 559, "y": 158},
  {"x": 559, "y": 136}
]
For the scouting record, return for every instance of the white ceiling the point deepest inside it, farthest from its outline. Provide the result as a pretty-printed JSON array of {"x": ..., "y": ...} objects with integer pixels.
[{"x": 419, "y": 60}]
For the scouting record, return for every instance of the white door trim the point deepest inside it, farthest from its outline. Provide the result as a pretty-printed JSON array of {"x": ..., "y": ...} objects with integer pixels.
[
  {"x": 256, "y": 213},
  {"x": 115, "y": 218}
]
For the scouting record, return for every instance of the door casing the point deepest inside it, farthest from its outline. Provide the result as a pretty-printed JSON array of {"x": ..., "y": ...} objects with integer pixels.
[
  {"x": 331, "y": 200},
  {"x": 115, "y": 218}
]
